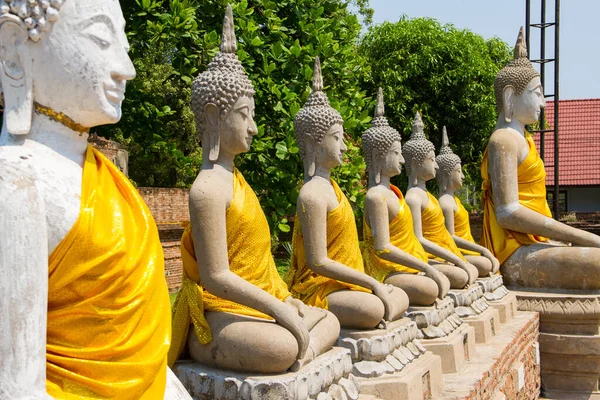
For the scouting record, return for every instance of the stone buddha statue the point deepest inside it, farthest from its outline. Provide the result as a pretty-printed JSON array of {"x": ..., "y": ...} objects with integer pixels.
[
  {"x": 450, "y": 179},
  {"x": 392, "y": 253},
  {"x": 428, "y": 219},
  {"x": 327, "y": 268},
  {"x": 234, "y": 311},
  {"x": 517, "y": 221},
  {"x": 83, "y": 299}
]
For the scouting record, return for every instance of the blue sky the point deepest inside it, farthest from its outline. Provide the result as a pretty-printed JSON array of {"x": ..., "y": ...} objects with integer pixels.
[{"x": 579, "y": 32}]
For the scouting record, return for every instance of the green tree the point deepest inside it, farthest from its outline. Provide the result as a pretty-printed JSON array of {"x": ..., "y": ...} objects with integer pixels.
[
  {"x": 173, "y": 41},
  {"x": 445, "y": 73}
]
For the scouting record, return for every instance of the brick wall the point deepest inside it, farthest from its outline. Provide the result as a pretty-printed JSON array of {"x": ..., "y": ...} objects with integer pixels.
[
  {"x": 168, "y": 206},
  {"x": 522, "y": 352}
]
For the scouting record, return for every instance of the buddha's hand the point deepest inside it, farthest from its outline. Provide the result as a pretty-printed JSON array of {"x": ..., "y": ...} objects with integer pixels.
[
  {"x": 289, "y": 317},
  {"x": 384, "y": 293},
  {"x": 471, "y": 270},
  {"x": 442, "y": 282},
  {"x": 495, "y": 264}
]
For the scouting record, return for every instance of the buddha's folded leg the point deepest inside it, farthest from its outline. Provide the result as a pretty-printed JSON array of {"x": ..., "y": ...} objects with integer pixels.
[
  {"x": 421, "y": 290},
  {"x": 545, "y": 265},
  {"x": 458, "y": 277},
  {"x": 323, "y": 334},
  {"x": 483, "y": 265},
  {"x": 354, "y": 309},
  {"x": 245, "y": 344}
]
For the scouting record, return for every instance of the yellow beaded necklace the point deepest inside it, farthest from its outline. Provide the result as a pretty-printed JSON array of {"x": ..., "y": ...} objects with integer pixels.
[{"x": 60, "y": 118}]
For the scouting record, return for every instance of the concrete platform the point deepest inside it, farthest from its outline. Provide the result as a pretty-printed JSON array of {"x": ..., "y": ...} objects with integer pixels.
[
  {"x": 506, "y": 368},
  {"x": 486, "y": 325},
  {"x": 506, "y": 306},
  {"x": 455, "y": 350}
]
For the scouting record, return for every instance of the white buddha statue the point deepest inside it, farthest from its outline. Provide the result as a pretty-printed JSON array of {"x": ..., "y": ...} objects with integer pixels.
[{"x": 83, "y": 300}]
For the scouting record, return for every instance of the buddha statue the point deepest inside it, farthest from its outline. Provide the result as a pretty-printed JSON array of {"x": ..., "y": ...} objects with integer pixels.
[
  {"x": 428, "y": 219},
  {"x": 234, "y": 312},
  {"x": 327, "y": 268},
  {"x": 84, "y": 303},
  {"x": 450, "y": 179},
  {"x": 517, "y": 221},
  {"x": 392, "y": 253}
]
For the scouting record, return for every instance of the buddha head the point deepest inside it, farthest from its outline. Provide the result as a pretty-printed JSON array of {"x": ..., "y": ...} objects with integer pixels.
[
  {"x": 223, "y": 100},
  {"x": 318, "y": 129},
  {"x": 518, "y": 88},
  {"x": 450, "y": 174},
  {"x": 66, "y": 59},
  {"x": 381, "y": 145},
  {"x": 419, "y": 154}
]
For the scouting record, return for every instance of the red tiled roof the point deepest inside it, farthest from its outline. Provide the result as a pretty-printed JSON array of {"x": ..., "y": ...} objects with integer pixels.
[{"x": 579, "y": 142}]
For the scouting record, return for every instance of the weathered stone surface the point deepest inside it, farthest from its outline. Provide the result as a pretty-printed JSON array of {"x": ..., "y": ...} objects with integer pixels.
[
  {"x": 318, "y": 379},
  {"x": 470, "y": 301},
  {"x": 455, "y": 349},
  {"x": 569, "y": 341},
  {"x": 436, "y": 321}
]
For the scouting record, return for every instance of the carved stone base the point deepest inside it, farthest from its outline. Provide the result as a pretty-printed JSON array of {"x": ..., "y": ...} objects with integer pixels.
[
  {"x": 506, "y": 306},
  {"x": 438, "y": 320},
  {"x": 468, "y": 302},
  {"x": 499, "y": 297},
  {"x": 386, "y": 359},
  {"x": 486, "y": 325},
  {"x": 507, "y": 368},
  {"x": 455, "y": 350},
  {"x": 175, "y": 390},
  {"x": 569, "y": 341},
  {"x": 325, "y": 378},
  {"x": 421, "y": 380}
]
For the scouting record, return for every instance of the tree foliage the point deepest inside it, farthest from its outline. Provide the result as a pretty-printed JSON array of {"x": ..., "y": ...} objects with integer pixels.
[
  {"x": 173, "y": 40},
  {"x": 445, "y": 73}
]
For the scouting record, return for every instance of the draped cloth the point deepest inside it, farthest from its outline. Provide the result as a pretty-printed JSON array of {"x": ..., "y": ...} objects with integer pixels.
[
  {"x": 462, "y": 227},
  {"x": 249, "y": 255},
  {"x": 531, "y": 176},
  {"x": 402, "y": 236},
  {"x": 342, "y": 246},
  {"x": 108, "y": 304},
  {"x": 434, "y": 228}
]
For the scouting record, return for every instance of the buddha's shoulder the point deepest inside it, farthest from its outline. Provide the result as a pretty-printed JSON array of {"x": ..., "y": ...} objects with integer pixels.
[
  {"x": 378, "y": 193},
  {"x": 16, "y": 162},
  {"x": 211, "y": 186},
  {"x": 316, "y": 191},
  {"x": 505, "y": 139}
]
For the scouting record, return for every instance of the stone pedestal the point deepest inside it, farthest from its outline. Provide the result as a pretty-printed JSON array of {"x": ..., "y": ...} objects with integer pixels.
[
  {"x": 328, "y": 377},
  {"x": 391, "y": 363},
  {"x": 569, "y": 342},
  {"x": 499, "y": 297},
  {"x": 443, "y": 332},
  {"x": 471, "y": 305}
]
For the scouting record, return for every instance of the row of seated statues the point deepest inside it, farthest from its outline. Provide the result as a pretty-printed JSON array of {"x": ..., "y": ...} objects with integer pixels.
[{"x": 83, "y": 300}]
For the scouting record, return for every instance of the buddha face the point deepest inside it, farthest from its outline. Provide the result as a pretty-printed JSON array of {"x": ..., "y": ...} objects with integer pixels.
[
  {"x": 238, "y": 128},
  {"x": 428, "y": 168},
  {"x": 392, "y": 165},
  {"x": 455, "y": 178},
  {"x": 81, "y": 65},
  {"x": 527, "y": 106},
  {"x": 332, "y": 148}
]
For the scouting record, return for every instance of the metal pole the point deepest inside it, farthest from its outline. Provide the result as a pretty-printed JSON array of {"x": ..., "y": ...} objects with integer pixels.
[
  {"x": 543, "y": 78},
  {"x": 556, "y": 101}
]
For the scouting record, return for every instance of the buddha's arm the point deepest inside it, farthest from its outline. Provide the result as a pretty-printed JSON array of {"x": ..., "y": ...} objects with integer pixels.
[
  {"x": 312, "y": 212},
  {"x": 377, "y": 210},
  {"x": 414, "y": 202},
  {"x": 208, "y": 218},
  {"x": 510, "y": 214},
  {"x": 23, "y": 289}
]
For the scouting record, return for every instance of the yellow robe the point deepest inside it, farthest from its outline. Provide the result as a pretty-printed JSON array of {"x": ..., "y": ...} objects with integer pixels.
[
  {"x": 342, "y": 246},
  {"x": 402, "y": 236},
  {"x": 434, "y": 228},
  {"x": 462, "y": 227},
  {"x": 532, "y": 194},
  {"x": 108, "y": 304},
  {"x": 249, "y": 254}
]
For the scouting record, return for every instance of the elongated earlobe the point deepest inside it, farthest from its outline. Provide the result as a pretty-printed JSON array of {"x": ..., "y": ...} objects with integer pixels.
[
  {"x": 508, "y": 96},
  {"x": 211, "y": 116},
  {"x": 15, "y": 74}
]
